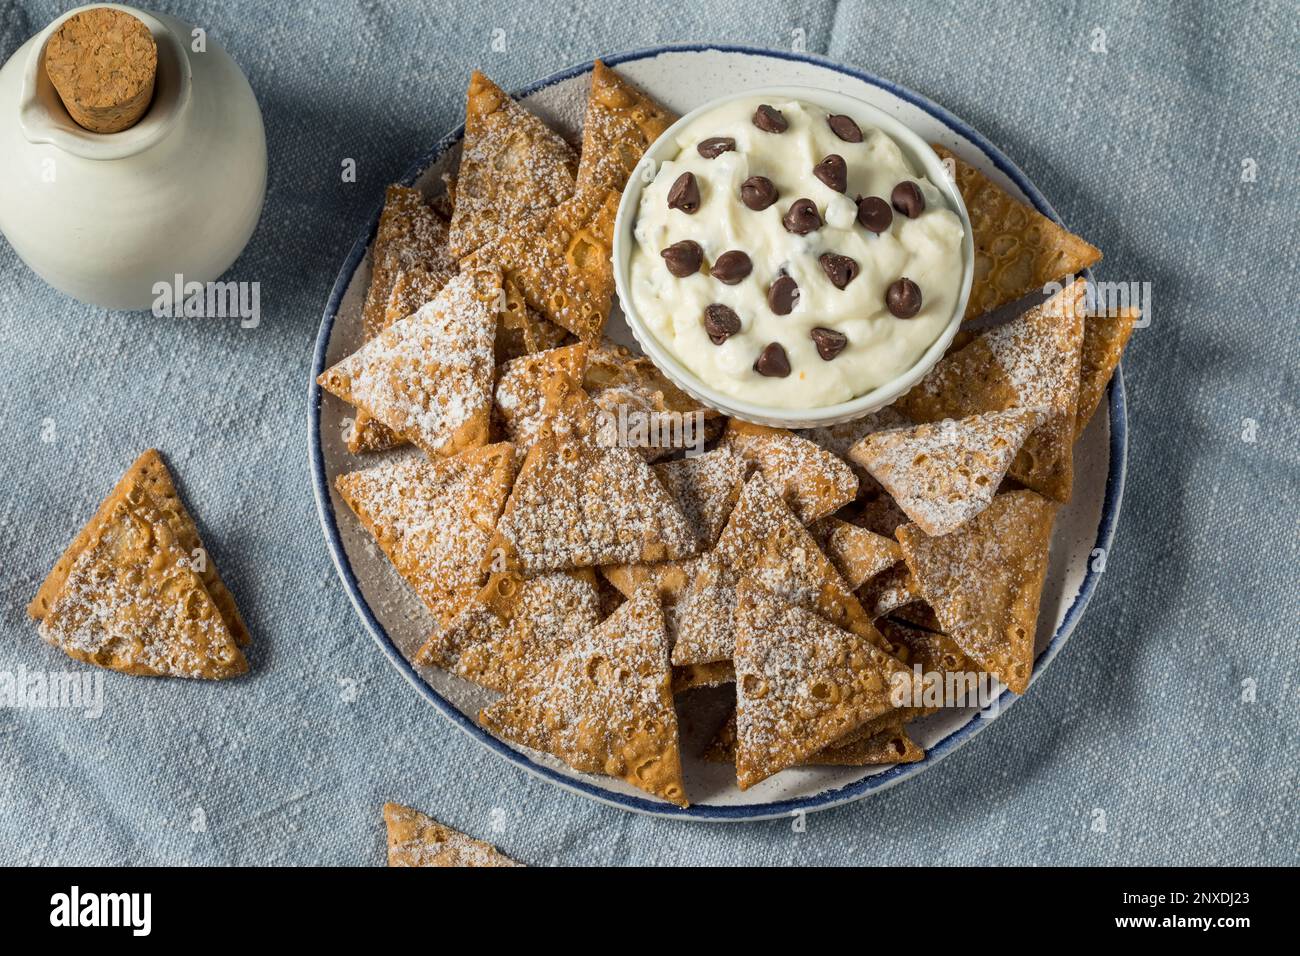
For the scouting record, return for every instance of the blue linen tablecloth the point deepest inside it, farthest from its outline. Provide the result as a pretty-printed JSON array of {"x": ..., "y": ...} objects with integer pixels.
[{"x": 1171, "y": 717}]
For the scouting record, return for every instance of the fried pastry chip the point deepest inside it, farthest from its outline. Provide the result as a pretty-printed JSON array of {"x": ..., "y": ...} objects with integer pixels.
[
  {"x": 522, "y": 330},
  {"x": 429, "y": 377},
  {"x": 813, "y": 481},
  {"x": 944, "y": 473},
  {"x": 434, "y": 518},
  {"x": 411, "y": 241},
  {"x": 858, "y": 554},
  {"x": 1031, "y": 362},
  {"x": 1017, "y": 249},
  {"x": 840, "y": 437},
  {"x": 604, "y": 705},
  {"x": 801, "y": 683},
  {"x": 763, "y": 540},
  {"x": 885, "y": 742},
  {"x": 514, "y": 625},
  {"x": 560, "y": 261},
  {"x": 130, "y": 601},
  {"x": 578, "y": 503},
  {"x": 521, "y": 390},
  {"x": 418, "y": 840},
  {"x": 620, "y": 125},
  {"x": 1104, "y": 339},
  {"x": 985, "y": 579},
  {"x": 149, "y": 474},
  {"x": 512, "y": 165},
  {"x": 888, "y": 591}
]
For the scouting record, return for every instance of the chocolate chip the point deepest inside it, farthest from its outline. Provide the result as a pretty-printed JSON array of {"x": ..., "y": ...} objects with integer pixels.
[
  {"x": 770, "y": 120},
  {"x": 844, "y": 127},
  {"x": 757, "y": 192},
  {"x": 833, "y": 172},
  {"x": 908, "y": 199},
  {"x": 715, "y": 146},
  {"x": 731, "y": 267},
  {"x": 720, "y": 323},
  {"x": 772, "y": 361},
  {"x": 829, "y": 342},
  {"x": 683, "y": 258},
  {"x": 782, "y": 295},
  {"x": 685, "y": 194},
  {"x": 874, "y": 214},
  {"x": 802, "y": 218},
  {"x": 841, "y": 270},
  {"x": 903, "y": 298}
]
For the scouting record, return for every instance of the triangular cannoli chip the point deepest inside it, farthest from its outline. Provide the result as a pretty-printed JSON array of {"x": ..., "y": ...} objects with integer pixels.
[
  {"x": 840, "y": 437},
  {"x": 1104, "y": 339},
  {"x": 620, "y": 125},
  {"x": 418, "y": 840},
  {"x": 764, "y": 540},
  {"x": 434, "y": 518},
  {"x": 605, "y": 705},
  {"x": 1018, "y": 250},
  {"x": 429, "y": 377},
  {"x": 813, "y": 481},
  {"x": 875, "y": 742},
  {"x": 858, "y": 554},
  {"x": 560, "y": 261},
  {"x": 1030, "y": 362},
  {"x": 578, "y": 503},
  {"x": 131, "y": 602},
  {"x": 149, "y": 474},
  {"x": 515, "y": 625},
  {"x": 411, "y": 241},
  {"x": 520, "y": 397},
  {"x": 511, "y": 166},
  {"x": 802, "y": 683},
  {"x": 888, "y": 591},
  {"x": 522, "y": 330},
  {"x": 944, "y": 473},
  {"x": 706, "y": 487},
  {"x": 985, "y": 579}
]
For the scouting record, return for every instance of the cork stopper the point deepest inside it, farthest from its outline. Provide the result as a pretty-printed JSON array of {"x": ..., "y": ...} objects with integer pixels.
[{"x": 102, "y": 63}]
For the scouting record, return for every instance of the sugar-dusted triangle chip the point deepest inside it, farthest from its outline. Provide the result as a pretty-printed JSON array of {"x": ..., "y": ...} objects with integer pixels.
[
  {"x": 944, "y": 473},
  {"x": 514, "y": 625},
  {"x": 1018, "y": 250},
  {"x": 130, "y": 600},
  {"x": 511, "y": 166},
  {"x": 884, "y": 742},
  {"x": 520, "y": 397},
  {"x": 840, "y": 437},
  {"x": 985, "y": 579},
  {"x": 620, "y": 125},
  {"x": 706, "y": 487},
  {"x": 1030, "y": 362},
  {"x": 418, "y": 840},
  {"x": 858, "y": 554},
  {"x": 410, "y": 263},
  {"x": 578, "y": 503},
  {"x": 522, "y": 330},
  {"x": 560, "y": 260},
  {"x": 813, "y": 481},
  {"x": 429, "y": 377},
  {"x": 801, "y": 683},
  {"x": 763, "y": 540},
  {"x": 1104, "y": 339},
  {"x": 148, "y": 473},
  {"x": 888, "y": 591},
  {"x": 434, "y": 518},
  {"x": 605, "y": 705}
]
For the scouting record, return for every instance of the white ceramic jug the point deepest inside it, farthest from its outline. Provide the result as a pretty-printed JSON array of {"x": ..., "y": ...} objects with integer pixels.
[{"x": 103, "y": 217}]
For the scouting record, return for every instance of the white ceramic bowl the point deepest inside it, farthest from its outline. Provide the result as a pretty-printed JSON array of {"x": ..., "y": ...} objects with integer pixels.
[{"x": 665, "y": 147}]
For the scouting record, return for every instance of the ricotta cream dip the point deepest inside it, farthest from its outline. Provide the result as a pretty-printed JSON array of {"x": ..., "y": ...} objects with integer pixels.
[{"x": 783, "y": 303}]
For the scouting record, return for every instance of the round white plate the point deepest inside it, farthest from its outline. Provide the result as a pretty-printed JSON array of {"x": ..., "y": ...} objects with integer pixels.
[{"x": 682, "y": 77}]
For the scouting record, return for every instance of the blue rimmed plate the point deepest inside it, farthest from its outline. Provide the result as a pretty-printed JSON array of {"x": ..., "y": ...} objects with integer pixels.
[{"x": 682, "y": 77}]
